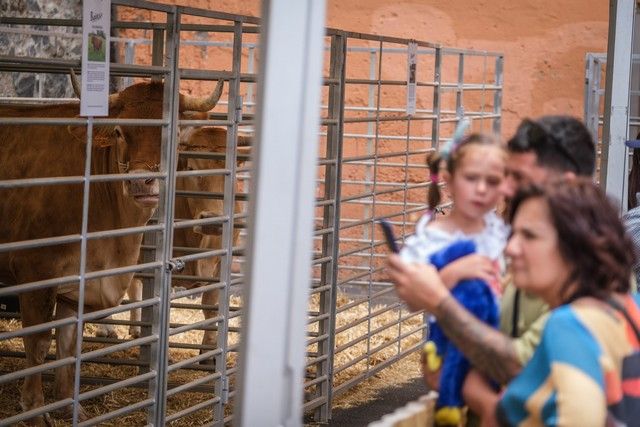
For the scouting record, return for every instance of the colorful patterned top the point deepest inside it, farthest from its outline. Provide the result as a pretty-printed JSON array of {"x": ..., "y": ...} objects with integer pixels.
[{"x": 575, "y": 372}]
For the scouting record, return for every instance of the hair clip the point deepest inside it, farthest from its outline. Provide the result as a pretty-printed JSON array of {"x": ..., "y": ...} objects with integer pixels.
[{"x": 455, "y": 141}]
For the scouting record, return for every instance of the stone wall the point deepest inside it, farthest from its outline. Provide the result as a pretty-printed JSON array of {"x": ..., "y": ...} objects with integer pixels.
[{"x": 39, "y": 46}]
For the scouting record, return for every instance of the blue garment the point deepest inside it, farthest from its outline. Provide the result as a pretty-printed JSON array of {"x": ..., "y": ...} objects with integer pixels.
[{"x": 477, "y": 297}]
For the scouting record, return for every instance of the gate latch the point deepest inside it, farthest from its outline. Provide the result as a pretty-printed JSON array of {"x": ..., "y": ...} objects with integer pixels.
[{"x": 175, "y": 264}]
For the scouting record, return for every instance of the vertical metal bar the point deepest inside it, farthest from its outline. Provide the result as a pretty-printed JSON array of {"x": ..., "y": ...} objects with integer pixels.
[
  {"x": 129, "y": 52},
  {"x": 373, "y": 204},
  {"x": 616, "y": 111},
  {"x": 157, "y": 51},
  {"x": 588, "y": 93},
  {"x": 497, "y": 97},
  {"x": 251, "y": 60},
  {"x": 437, "y": 80},
  {"x": 83, "y": 269},
  {"x": 370, "y": 127},
  {"x": 595, "y": 108},
  {"x": 331, "y": 218},
  {"x": 483, "y": 93},
  {"x": 460, "y": 89},
  {"x": 281, "y": 215},
  {"x": 228, "y": 207},
  {"x": 164, "y": 249}
]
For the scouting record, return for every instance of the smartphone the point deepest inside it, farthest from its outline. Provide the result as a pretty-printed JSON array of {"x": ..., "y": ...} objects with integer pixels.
[{"x": 388, "y": 235}]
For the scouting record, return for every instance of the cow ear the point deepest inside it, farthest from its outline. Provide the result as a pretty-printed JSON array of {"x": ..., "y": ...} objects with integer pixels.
[{"x": 103, "y": 136}]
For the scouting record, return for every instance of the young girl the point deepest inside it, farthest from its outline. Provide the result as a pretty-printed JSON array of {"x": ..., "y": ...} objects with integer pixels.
[{"x": 466, "y": 247}]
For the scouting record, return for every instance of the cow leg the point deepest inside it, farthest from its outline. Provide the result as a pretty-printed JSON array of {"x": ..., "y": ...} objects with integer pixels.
[
  {"x": 66, "y": 347},
  {"x": 36, "y": 308},
  {"x": 135, "y": 294},
  {"x": 210, "y": 337}
]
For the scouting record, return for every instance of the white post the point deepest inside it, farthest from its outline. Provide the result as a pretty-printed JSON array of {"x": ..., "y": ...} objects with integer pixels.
[
  {"x": 614, "y": 162},
  {"x": 279, "y": 247}
]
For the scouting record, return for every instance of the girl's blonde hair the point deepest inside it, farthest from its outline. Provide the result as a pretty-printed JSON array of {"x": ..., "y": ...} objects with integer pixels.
[{"x": 436, "y": 161}]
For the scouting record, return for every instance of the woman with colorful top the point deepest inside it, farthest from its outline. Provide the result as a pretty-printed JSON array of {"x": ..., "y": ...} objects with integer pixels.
[{"x": 568, "y": 246}]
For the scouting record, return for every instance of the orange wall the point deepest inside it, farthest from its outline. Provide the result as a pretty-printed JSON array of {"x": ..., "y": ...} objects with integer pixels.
[{"x": 544, "y": 41}]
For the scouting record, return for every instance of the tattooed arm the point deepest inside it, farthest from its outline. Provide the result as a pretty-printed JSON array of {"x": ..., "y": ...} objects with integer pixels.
[
  {"x": 421, "y": 287},
  {"x": 488, "y": 349}
]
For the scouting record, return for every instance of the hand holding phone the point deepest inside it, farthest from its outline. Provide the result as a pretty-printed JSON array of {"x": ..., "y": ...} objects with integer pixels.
[{"x": 388, "y": 234}]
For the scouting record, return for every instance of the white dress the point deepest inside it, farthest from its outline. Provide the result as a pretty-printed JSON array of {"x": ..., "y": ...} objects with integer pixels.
[{"x": 426, "y": 241}]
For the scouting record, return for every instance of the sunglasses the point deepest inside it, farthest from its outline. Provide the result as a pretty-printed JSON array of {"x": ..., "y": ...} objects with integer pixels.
[{"x": 531, "y": 136}]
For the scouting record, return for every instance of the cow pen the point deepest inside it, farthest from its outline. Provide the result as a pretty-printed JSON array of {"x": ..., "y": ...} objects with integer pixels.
[{"x": 371, "y": 165}]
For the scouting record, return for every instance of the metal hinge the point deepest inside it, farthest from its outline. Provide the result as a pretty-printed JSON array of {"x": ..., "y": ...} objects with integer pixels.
[
  {"x": 225, "y": 390},
  {"x": 238, "y": 109}
]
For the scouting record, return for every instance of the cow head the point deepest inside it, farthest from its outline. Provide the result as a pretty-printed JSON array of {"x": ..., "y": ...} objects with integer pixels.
[
  {"x": 207, "y": 140},
  {"x": 136, "y": 149}
]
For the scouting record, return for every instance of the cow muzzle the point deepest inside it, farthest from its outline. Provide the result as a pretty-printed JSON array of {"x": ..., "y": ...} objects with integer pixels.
[
  {"x": 144, "y": 191},
  {"x": 208, "y": 229}
]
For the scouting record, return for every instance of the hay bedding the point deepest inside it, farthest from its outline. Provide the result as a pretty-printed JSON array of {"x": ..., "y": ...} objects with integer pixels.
[{"x": 394, "y": 374}]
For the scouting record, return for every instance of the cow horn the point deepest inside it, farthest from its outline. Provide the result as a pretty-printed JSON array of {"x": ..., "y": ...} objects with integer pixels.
[
  {"x": 194, "y": 103},
  {"x": 78, "y": 91},
  {"x": 75, "y": 83}
]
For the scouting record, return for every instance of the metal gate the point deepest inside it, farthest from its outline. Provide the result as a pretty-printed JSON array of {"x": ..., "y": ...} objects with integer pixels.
[
  {"x": 594, "y": 104},
  {"x": 371, "y": 165}
]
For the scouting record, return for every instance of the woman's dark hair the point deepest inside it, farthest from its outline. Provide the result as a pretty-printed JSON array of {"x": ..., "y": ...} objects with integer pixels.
[
  {"x": 591, "y": 236},
  {"x": 435, "y": 160}
]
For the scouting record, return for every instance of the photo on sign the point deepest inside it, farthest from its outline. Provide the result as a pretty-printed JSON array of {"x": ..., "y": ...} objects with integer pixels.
[{"x": 96, "y": 48}]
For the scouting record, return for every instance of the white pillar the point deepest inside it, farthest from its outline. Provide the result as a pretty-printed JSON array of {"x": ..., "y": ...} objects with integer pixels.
[
  {"x": 279, "y": 247},
  {"x": 614, "y": 167}
]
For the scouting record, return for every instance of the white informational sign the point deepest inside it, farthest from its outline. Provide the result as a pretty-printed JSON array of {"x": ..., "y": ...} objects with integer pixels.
[
  {"x": 96, "y": 30},
  {"x": 412, "y": 51}
]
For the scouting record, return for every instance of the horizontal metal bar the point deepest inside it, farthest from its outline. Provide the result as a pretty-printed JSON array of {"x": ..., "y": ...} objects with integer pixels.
[
  {"x": 40, "y": 410},
  {"x": 202, "y": 405},
  {"x": 34, "y": 182},
  {"x": 48, "y": 121},
  {"x": 195, "y": 325},
  {"x": 86, "y": 357},
  {"x": 117, "y": 385},
  {"x": 189, "y": 223},
  {"x": 386, "y": 155},
  {"x": 99, "y": 314},
  {"x": 16, "y": 375},
  {"x": 188, "y": 386},
  {"x": 378, "y": 38},
  {"x": 30, "y": 330},
  {"x": 401, "y": 118},
  {"x": 118, "y": 413},
  {"x": 468, "y": 52},
  {"x": 193, "y": 360}
]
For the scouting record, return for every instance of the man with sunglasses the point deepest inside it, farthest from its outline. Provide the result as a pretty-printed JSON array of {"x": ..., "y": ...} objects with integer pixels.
[{"x": 548, "y": 147}]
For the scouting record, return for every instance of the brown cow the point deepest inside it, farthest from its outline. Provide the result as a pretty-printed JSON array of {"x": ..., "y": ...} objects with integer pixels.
[
  {"x": 29, "y": 151},
  {"x": 208, "y": 237},
  {"x": 96, "y": 42}
]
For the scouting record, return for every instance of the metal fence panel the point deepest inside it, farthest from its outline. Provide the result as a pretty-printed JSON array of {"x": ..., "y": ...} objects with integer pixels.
[{"x": 175, "y": 362}]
